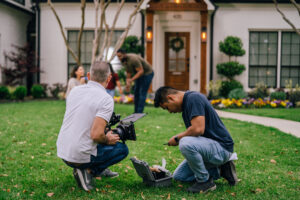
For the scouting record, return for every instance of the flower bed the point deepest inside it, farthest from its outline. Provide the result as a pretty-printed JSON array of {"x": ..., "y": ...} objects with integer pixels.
[
  {"x": 128, "y": 99},
  {"x": 250, "y": 103}
]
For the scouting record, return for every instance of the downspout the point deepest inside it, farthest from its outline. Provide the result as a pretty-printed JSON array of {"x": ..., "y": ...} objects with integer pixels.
[
  {"x": 212, "y": 42},
  {"x": 143, "y": 34},
  {"x": 38, "y": 21}
]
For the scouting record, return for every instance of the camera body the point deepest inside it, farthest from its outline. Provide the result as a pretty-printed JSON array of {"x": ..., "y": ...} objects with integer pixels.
[{"x": 125, "y": 128}]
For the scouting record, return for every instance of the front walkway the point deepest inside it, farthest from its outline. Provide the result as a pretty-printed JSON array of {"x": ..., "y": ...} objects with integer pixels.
[{"x": 283, "y": 125}]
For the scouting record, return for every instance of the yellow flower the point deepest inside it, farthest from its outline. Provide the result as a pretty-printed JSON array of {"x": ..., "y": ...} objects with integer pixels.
[
  {"x": 283, "y": 104},
  {"x": 274, "y": 105}
]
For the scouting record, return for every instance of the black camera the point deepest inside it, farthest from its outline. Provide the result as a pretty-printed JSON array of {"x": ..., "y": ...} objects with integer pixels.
[{"x": 125, "y": 128}]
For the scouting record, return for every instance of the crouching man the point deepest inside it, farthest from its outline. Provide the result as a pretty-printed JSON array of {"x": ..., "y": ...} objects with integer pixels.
[
  {"x": 82, "y": 142},
  {"x": 206, "y": 144}
]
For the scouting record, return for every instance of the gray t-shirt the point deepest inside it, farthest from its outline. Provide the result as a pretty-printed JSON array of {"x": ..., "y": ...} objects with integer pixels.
[
  {"x": 196, "y": 104},
  {"x": 71, "y": 84},
  {"x": 135, "y": 61},
  {"x": 84, "y": 103}
]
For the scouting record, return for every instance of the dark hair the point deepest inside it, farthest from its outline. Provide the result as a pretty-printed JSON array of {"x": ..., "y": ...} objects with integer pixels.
[
  {"x": 121, "y": 51},
  {"x": 162, "y": 93},
  {"x": 73, "y": 74},
  {"x": 113, "y": 73}
]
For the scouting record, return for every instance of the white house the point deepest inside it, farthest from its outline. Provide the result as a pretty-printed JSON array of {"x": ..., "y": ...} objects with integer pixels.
[
  {"x": 195, "y": 27},
  {"x": 15, "y": 21}
]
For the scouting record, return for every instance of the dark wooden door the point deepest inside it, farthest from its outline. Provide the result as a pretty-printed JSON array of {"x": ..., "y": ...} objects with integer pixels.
[{"x": 177, "y": 61}]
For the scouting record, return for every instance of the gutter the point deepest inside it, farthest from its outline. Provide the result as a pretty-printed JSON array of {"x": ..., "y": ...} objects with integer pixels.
[
  {"x": 212, "y": 41},
  {"x": 18, "y": 7},
  {"x": 38, "y": 38},
  {"x": 143, "y": 33}
]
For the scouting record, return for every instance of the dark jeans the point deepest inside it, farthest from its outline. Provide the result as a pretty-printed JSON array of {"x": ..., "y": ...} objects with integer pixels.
[
  {"x": 140, "y": 92},
  {"x": 107, "y": 155}
]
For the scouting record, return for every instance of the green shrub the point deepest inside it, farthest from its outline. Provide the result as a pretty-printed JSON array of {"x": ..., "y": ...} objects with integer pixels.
[
  {"x": 227, "y": 86},
  {"x": 237, "y": 93},
  {"x": 37, "y": 91},
  {"x": 20, "y": 93},
  {"x": 232, "y": 46},
  {"x": 278, "y": 96},
  {"x": 260, "y": 91},
  {"x": 132, "y": 45},
  {"x": 4, "y": 93},
  {"x": 230, "y": 69},
  {"x": 294, "y": 96}
]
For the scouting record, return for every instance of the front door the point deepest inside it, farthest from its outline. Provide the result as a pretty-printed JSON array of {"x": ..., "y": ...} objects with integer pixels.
[{"x": 177, "y": 61}]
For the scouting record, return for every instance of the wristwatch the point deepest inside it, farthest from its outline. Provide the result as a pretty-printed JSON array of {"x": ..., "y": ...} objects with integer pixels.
[{"x": 176, "y": 139}]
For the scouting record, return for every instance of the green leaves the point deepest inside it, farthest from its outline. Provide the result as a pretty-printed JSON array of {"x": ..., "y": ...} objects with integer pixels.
[
  {"x": 230, "y": 69},
  {"x": 232, "y": 46}
]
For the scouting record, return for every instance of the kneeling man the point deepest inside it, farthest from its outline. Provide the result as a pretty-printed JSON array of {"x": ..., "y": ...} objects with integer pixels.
[
  {"x": 82, "y": 142},
  {"x": 206, "y": 144}
]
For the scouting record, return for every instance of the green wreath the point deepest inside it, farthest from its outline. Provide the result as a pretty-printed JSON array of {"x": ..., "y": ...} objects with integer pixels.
[{"x": 176, "y": 44}]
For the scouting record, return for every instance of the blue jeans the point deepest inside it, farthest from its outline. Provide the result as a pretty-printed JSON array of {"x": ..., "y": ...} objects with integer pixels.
[
  {"x": 141, "y": 87},
  {"x": 111, "y": 92},
  {"x": 107, "y": 155},
  {"x": 202, "y": 158}
]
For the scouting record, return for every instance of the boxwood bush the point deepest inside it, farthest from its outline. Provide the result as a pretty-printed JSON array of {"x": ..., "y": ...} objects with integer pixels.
[
  {"x": 278, "y": 96},
  {"x": 237, "y": 93},
  {"x": 37, "y": 91},
  {"x": 4, "y": 93},
  {"x": 227, "y": 86},
  {"x": 20, "y": 93}
]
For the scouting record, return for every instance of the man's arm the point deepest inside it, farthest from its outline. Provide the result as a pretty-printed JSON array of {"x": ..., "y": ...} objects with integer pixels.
[
  {"x": 196, "y": 129},
  {"x": 98, "y": 133},
  {"x": 139, "y": 73}
]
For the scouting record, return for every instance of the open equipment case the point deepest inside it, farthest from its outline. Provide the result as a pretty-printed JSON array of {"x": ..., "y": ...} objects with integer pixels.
[{"x": 151, "y": 178}]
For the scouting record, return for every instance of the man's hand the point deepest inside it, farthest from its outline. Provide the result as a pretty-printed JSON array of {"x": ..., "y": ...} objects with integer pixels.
[
  {"x": 172, "y": 141},
  {"x": 112, "y": 139}
]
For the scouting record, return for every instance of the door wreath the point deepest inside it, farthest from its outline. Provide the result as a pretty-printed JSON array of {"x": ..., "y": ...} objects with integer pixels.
[{"x": 176, "y": 44}]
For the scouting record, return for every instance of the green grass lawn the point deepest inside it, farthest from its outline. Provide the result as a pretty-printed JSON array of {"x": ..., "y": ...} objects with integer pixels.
[
  {"x": 30, "y": 169},
  {"x": 282, "y": 113}
]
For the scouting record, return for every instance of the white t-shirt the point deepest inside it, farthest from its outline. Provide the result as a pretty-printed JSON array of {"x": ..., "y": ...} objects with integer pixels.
[{"x": 84, "y": 103}]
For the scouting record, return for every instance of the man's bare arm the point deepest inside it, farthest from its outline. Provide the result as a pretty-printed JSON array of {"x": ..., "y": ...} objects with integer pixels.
[
  {"x": 196, "y": 129},
  {"x": 98, "y": 133}
]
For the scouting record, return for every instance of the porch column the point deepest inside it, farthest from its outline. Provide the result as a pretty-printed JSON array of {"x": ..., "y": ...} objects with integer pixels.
[
  {"x": 149, "y": 46},
  {"x": 149, "y": 24},
  {"x": 203, "y": 52}
]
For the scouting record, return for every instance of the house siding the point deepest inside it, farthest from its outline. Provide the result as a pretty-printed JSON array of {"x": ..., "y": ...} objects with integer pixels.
[
  {"x": 13, "y": 25},
  {"x": 238, "y": 20},
  {"x": 53, "y": 55}
]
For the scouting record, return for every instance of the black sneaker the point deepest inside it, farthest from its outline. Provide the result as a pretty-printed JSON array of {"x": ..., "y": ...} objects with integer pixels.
[
  {"x": 108, "y": 173},
  {"x": 228, "y": 172},
  {"x": 83, "y": 179},
  {"x": 203, "y": 187}
]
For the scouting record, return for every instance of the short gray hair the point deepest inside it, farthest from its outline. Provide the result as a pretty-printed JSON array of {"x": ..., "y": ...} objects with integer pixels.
[{"x": 99, "y": 71}]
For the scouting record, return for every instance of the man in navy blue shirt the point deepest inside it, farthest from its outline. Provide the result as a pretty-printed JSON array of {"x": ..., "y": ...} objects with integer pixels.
[{"x": 205, "y": 144}]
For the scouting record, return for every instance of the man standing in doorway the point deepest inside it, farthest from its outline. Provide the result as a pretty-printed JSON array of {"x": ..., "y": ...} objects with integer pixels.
[{"x": 139, "y": 71}]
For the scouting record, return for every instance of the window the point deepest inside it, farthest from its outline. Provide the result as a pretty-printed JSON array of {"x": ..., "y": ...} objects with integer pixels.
[
  {"x": 86, "y": 48},
  {"x": 290, "y": 58},
  {"x": 263, "y": 58},
  {"x": 20, "y": 1}
]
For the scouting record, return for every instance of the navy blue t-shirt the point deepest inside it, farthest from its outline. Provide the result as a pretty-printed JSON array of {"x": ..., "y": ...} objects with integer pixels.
[{"x": 196, "y": 104}]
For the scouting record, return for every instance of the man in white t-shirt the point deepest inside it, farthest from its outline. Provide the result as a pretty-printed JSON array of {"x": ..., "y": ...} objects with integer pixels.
[{"x": 82, "y": 142}]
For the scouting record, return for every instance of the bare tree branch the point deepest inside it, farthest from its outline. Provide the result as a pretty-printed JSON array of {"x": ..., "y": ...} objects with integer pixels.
[
  {"x": 63, "y": 33},
  {"x": 296, "y": 5},
  {"x": 97, "y": 38},
  {"x": 113, "y": 27},
  {"x": 95, "y": 42},
  {"x": 124, "y": 34},
  {"x": 83, "y": 3},
  {"x": 100, "y": 56},
  {"x": 286, "y": 19}
]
